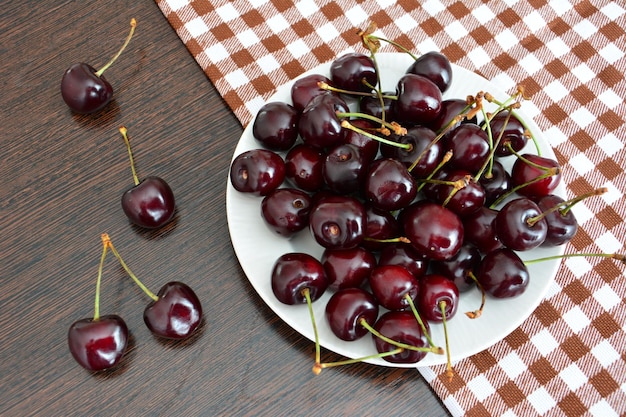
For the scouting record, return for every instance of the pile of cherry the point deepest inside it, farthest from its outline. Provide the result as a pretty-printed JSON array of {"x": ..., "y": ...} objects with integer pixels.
[
  {"x": 408, "y": 196},
  {"x": 175, "y": 312}
]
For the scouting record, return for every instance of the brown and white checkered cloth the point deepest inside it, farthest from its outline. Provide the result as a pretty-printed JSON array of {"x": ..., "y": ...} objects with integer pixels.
[{"x": 569, "y": 357}]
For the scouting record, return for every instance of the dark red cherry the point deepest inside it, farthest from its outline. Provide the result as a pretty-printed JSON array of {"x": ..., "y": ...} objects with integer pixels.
[
  {"x": 257, "y": 171},
  {"x": 319, "y": 125},
  {"x": 433, "y": 230},
  {"x": 373, "y": 106},
  {"x": 562, "y": 224},
  {"x": 98, "y": 344},
  {"x": 391, "y": 284},
  {"x": 347, "y": 268},
  {"x": 338, "y": 222},
  {"x": 465, "y": 200},
  {"x": 150, "y": 203},
  {"x": 344, "y": 169},
  {"x": 503, "y": 274},
  {"x": 511, "y": 132},
  {"x": 83, "y": 90},
  {"x": 436, "y": 67},
  {"x": 534, "y": 176},
  {"x": 353, "y": 72},
  {"x": 276, "y": 126},
  {"x": 434, "y": 291},
  {"x": 402, "y": 327},
  {"x": 292, "y": 273},
  {"x": 460, "y": 267},
  {"x": 403, "y": 254},
  {"x": 176, "y": 314},
  {"x": 305, "y": 88},
  {"x": 496, "y": 182},
  {"x": 381, "y": 225},
  {"x": 286, "y": 211},
  {"x": 480, "y": 230},
  {"x": 389, "y": 185},
  {"x": 347, "y": 309},
  {"x": 367, "y": 146},
  {"x": 516, "y": 226},
  {"x": 450, "y": 108},
  {"x": 304, "y": 167},
  {"x": 424, "y": 154},
  {"x": 470, "y": 147},
  {"x": 419, "y": 100}
]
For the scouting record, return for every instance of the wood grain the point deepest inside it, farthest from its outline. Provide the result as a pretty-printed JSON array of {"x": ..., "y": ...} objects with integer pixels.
[{"x": 62, "y": 177}]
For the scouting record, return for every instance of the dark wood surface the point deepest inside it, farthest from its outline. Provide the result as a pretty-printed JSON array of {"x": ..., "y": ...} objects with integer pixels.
[{"x": 62, "y": 177}]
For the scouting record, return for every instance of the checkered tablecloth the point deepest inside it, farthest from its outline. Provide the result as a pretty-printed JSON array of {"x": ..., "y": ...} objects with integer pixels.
[{"x": 569, "y": 357}]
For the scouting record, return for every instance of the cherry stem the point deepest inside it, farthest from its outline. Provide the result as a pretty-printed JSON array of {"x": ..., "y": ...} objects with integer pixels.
[
  {"x": 307, "y": 294},
  {"x": 432, "y": 349},
  {"x": 107, "y": 242},
  {"x": 565, "y": 206},
  {"x": 318, "y": 368},
  {"x": 549, "y": 172},
  {"x": 617, "y": 256},
  {"x": 400, "y": 239},
  {"x": 397, "y": 129},
  {"x": 96, "y": 309},
  {"x": 133, "y": 24},
  {"x": 488, "y": 165},
  {"x": 436, "y": 139},
  {"x": 325, "y": 86},
  {"x": 124, "y": 133},
  {"x": 419, "y": 320},
  {"x": 477, "y": 313},
  {"x": 456, "y": 186},
  {"x": 347, "y": 125},
  {"x": 449, "y": 371},
  {"x": 446, "y": 157}
]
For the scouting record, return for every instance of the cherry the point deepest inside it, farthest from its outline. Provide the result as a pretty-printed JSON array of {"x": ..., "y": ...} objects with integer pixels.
[
  {"x": 460, "y": 267},
  {"x": 307, "y": 87},
  {"x": 286, "y": 211},
  {"x": 257, "y": 171},
  {"x": 378, "y": 106},
  {"x": 561, "y": 222},
  {"x": 469, "y": 145},
  {"x": 418, "y": 100},
  {"x": 463, "y": 195},
  {"x": 404, "y": 255},
  {"x": 150, "y": 202},
  {"x": 276, "y": 126},
  {"x": 381, "y": 227},
  {"x": 344, "y": 169},
  {"x": 389, "y": 185},
  {"x": 338, "y": 222},
  {"x": 368, "y": 147},
  {"x": 535, "y": 176},
  {"x": 174, "y": 313},
  {"x": 401, "y": 326},
  {"x": 319, "y": 125},
  {"x": 438, "y": 297},
  {"x": 424, "y": 154},
  {"x": 496, "y": 182},
  {"x": 347, "y": 309},
  {"x": 84, "y": 89},
  {"x": 304, "y": 167},
  {"x": 347, "y": 268},
  {"x": 516, "y": 226},
  {"x": 436, "y": 67},
  {"x": 433, "y": 230},
  {"x": 354, "y": 72},
  {"x": 447, "y": 118},
  {"x": 294, "y": 272},
  {"x": 391, "y": 285},
  {"x": 512, "y": 133},
  {"x": 503, "y": 274}
]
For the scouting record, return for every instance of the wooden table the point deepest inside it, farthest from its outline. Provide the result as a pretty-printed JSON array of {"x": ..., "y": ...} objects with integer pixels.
[{"x": 62, "y": 177}]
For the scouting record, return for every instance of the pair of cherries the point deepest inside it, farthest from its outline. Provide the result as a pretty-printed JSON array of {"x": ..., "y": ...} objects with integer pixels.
[{"x": 99, "y": 343}]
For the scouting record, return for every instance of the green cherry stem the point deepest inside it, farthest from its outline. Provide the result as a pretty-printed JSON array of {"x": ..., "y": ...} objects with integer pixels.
[
  {"x": 124, "y": 133},
  {"x": 96, "y": 309},
  {"x": 321, "y": 366},
  {"x": 347, "y": 125},
  {"x": 617, "y": 256},
  {"x": 133, "y": 24},
  {"x": 432, "y": 349},
  {"x": 564, "y": 207},
  {"x": 107, "y": 241},
  {"x": 477, "y": 313},
  {"x": 419, "y": 320},
  {"x": 449, "y": 371},
  {"x": 307, "y": 295}
]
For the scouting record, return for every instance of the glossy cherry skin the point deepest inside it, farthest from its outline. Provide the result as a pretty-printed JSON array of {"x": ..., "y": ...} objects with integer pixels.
[
  {"x": 503, "y": 274},
  {"x": 423, "y": 155},
  {"x": 435, "y": 289},
  {"x": 98, "y": 344},
  {"x": 295, "y": 271},
  {"x": 176, "y": 314},
  {"x": 319, "y": 125},
  {"x": 530, "y": 176},
  {"x": 460, "y": 266},
  {"x": 305, "y": 88},
  {"x": 257, "y": 172},
  {"x": 513, "y": 227},
  {"x": 347, "y": 308},
  {"x": 512, "y": 131},
  {"x": 304, "y": 167},
  {"x": 338, "y": 222},
  {"x": 344, "y": 169},
  {"x": 368, "y": 147},
  {"x": 286, "y": 211},
  {"x": 404, "y": 255},
  {"x": 562, "y": 226},
  {"x": 83, "y": 91},
  {"x": 433, "y": 230},
  {"x": 403, "y": 327},
  {"x": 380, "y": 225},
  {"x": 495, "y": 183},
  {"x": 450, "y": 108},
  {"x": 465, "y": 201},
  {"x": 470, "y": 147},
  {"x": 390, "y": 285},
  {"x": 480, "y": 230},
  {"x": 389, "y": 185},
  {"x": 372, "y": 105},
  {"x": 150, "y": 204},
  {"x": 353, "y": 72},
  {"x": 436, "y": 67},
  {"x": 276, "y": 126},
  {"x": 419, "y": 100},
  {"x": 347, "y": 268}
]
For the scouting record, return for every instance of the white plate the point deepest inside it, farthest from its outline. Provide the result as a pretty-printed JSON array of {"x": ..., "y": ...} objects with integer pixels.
[{"x": 257, "y": 248}]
